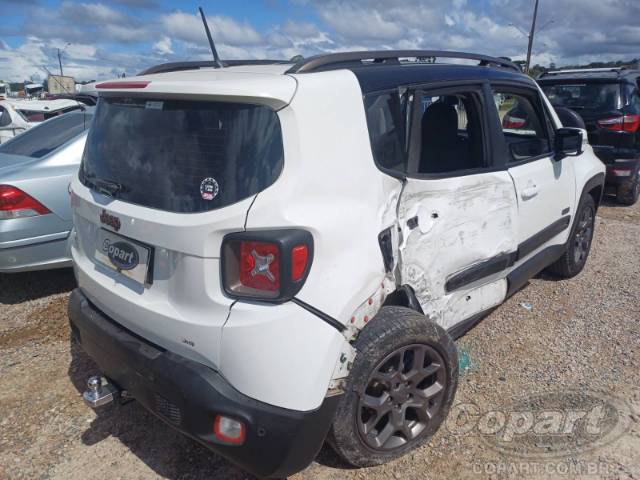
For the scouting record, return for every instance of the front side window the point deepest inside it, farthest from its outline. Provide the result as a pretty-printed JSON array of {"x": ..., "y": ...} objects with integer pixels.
[
  {"x": 47, "y": 137},
  {"x": 182, "y": 155},
  {"x": 523, "y": 125},
  {"x": 450, "y": 133}
]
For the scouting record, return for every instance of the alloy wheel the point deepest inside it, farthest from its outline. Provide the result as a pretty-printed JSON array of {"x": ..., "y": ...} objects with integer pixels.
[
  {"x": 583, "y": 236},
  {"x": 403, "y": 393}
]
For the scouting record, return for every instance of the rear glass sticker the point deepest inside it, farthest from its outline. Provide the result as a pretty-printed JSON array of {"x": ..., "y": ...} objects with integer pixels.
[
  {"x": 208, "y": 188},
  {"x": 154, "y": 105}
]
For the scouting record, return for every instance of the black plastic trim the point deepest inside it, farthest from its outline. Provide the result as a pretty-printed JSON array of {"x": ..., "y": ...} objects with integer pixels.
[
  {"x": 386, "y": 248},
  {"x": 520, "y": 276},
  {"x": 543, "y": 236},
  {"x": 279, "y": 442},
  {"x": 320, "y": 314},
  {"x": 480, "y": 270}
]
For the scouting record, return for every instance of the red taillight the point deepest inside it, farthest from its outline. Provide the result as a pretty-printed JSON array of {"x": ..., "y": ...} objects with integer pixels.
[
  {"x": 260, "y": 266},
  {"x": 123, "y": 85},
  {"x": 229, "y": 430},
  {"x": 14, "y": 203},
  {"x": 624, "y": 123},
  {"x": 267, "y": 265},
  {"x": 512, "y": 122},
  {"x": 299, "y": 259}
]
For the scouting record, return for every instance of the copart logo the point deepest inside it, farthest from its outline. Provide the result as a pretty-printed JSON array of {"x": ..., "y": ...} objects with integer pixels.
[
  {"x": 123, "y": 255},
  {"x": 111, "y": 220},
  {"x": 545, "y": 425}
]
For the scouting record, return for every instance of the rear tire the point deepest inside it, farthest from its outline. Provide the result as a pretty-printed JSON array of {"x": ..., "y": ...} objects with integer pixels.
[
  {"x": 579, "y": 244},
  {"x": 399, "y": 391},
  {"x": 629, "y": 191}
]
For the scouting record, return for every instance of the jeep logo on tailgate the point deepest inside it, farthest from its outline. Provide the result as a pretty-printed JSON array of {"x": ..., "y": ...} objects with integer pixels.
[{"x": 123, "y": 255}]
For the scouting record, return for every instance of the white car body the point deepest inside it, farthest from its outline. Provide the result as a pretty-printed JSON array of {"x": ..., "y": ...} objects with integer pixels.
[
  {"x": 15, "y": 114},
  {"x": 283, "y": 354}
]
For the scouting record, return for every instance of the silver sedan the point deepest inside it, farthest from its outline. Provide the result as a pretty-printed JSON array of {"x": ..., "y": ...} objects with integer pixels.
[{"x": 35, "y": 172}]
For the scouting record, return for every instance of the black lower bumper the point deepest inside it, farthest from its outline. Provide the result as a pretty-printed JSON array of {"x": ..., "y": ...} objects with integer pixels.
[{"x": 188, "y": 395}]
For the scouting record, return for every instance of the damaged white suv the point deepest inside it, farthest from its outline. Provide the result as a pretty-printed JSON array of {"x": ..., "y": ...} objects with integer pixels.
[{"x": 272, "y": 254}]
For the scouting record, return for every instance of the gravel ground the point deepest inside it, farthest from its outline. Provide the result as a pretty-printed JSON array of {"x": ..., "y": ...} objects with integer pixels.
[{"x": 579, "y": 335}]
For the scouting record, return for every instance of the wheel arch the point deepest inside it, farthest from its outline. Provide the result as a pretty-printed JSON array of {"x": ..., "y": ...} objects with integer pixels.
[{"x": 594, "y": 187}]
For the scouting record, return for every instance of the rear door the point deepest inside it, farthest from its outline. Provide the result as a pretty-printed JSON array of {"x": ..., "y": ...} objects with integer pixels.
[
  {"x": 457, "y": 211},
  {"x": 545, "y": 185}
]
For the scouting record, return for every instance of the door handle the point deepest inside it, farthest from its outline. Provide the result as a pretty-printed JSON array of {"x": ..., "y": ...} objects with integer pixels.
[{"x": 529, "y": 192}]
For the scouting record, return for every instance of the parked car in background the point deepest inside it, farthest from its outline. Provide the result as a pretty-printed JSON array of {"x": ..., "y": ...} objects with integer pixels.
[
  {"x": 17, "y": 115},
  {"x": 5, "y": 90},
  {"x": 267, "y": 258},
  {"x": 608, "y": 99},
  {"x": 35, "y": 171}
]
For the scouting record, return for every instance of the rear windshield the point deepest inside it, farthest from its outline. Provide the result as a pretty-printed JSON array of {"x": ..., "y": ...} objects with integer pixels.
[
  {"x": 43, "y": 139},
  {"x": 585, "y": 97},
  {"x": 181, "y": 156}
]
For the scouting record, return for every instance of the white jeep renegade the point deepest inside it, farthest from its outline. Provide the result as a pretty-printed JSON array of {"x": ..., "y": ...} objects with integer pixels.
[{"x": 273, "y": 254}]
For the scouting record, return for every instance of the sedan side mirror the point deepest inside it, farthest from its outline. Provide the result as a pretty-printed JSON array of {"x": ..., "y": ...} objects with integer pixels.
[{"x": 568, "y": 142}]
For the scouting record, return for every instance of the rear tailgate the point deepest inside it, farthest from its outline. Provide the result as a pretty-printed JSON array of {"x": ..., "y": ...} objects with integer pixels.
[{"x": 171, "y": 174}]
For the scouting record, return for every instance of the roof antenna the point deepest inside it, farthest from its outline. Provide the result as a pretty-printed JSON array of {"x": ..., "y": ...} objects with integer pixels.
[{"x": 216, "y": 58}]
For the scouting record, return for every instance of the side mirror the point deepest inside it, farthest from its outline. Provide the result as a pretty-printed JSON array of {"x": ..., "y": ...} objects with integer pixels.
[{"x": 568, "y": 142}]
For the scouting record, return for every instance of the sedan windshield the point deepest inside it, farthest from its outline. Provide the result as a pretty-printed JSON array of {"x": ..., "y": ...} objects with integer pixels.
[{"x": 48, "y": 136}]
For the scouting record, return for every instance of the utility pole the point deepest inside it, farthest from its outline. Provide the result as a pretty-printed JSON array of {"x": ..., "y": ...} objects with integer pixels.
[
  {"x": 533, "y": 31},
  {"x": 60, "y": 61}
]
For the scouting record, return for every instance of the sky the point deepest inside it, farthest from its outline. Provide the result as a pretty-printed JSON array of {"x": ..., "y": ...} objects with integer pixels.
[{"x": 103, "y": 39}]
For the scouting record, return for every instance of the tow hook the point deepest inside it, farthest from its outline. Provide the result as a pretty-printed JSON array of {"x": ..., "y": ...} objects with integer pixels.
[{"x": 100, "y": 392}]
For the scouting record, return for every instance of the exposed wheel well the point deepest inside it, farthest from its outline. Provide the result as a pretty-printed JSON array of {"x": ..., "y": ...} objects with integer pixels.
[{"x": 404, "y": 296}]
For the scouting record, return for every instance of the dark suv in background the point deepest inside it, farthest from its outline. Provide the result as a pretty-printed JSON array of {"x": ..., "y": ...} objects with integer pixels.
[{"x": 608, "y": 100}]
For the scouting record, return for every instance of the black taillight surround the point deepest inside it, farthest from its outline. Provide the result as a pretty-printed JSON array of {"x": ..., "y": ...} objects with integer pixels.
[{"x": 285, "y": 240}]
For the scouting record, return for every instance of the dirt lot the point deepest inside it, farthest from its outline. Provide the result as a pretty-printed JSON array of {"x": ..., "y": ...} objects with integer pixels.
[{"x": 580, "y": 335}]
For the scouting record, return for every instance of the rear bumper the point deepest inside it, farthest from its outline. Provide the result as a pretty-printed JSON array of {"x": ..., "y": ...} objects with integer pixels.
[
  {"x": 188, "y": 396},
  {"x": 617, "y": 171},
  {"x": 42, "y": 255}
]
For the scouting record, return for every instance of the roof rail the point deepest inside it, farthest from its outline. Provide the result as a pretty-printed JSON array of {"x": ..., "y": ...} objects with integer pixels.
[
  {"x": 584, "y": 70},
  {"x": 339, "y": 60},
  {"x": 196, "y": 65}
]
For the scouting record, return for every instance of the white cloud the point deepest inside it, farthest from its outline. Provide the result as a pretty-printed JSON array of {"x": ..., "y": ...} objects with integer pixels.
[
  {"x": 189, "y": 28},
  {"x": 163, "y": 46}
]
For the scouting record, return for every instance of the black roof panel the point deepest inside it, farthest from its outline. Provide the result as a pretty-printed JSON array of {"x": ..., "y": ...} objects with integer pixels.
[{"x": 383, "y": 77}]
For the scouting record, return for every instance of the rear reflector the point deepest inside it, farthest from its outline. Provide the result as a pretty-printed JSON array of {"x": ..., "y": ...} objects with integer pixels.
[
  {"x": 299, "y": 259},
  {"x": 618, "y": 172},
  {"x": 123, "y": 85},
  {"x": 228, "y": 430},
  {"x": 14, "y": 203}
]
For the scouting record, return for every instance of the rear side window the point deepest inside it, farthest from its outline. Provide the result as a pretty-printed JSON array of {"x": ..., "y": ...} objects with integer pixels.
[
  {"x": 43, "y": 139},
  {"x": 524, "y": 126},
  {"x": 450, "y": 133},
  {"x": 182, "y": 156},
  {"x": 386, "y": 122}
]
